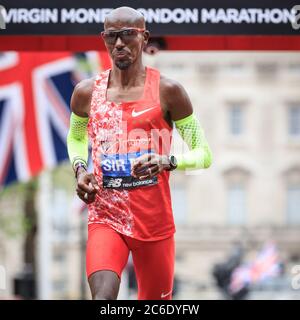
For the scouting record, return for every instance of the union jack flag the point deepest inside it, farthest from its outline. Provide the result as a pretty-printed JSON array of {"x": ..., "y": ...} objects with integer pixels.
[
  {"x": 266, "y": 265},
  {"x": 35, "y": 91}
]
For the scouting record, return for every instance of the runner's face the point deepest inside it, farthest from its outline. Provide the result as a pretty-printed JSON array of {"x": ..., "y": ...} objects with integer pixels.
[{"x": 126, "y": 47}]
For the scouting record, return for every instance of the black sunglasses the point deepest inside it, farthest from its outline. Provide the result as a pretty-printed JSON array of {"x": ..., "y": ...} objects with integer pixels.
[{"x": 126, "y": 35}]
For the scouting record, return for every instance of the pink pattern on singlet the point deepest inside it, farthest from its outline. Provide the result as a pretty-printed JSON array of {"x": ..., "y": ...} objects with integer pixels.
[{"x": 103, "y": 127}]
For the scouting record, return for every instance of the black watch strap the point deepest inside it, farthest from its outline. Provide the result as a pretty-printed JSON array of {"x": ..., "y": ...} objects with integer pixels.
[
  {"x": 79, "y": 165},
  {"x": 172, "y": 163}
]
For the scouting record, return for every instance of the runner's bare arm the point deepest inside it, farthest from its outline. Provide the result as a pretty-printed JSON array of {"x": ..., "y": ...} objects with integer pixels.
[
  {"x": 175, "y": 101},
  {"x": 81, "y": 97}
]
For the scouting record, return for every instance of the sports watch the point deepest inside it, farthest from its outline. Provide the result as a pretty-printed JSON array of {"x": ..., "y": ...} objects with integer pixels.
[
  {"x": 79, "y": 165},
  {"x": 172, "y": 163}
]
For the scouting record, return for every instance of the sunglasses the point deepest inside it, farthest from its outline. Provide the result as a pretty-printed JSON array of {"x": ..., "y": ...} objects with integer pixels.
[{"x": 127, "y": 35}]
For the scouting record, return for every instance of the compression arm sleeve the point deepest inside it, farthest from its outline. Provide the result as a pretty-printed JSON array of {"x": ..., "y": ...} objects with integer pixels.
[
  {"x": 199, "y": 155},
  {"x": 77, "y": 140}
]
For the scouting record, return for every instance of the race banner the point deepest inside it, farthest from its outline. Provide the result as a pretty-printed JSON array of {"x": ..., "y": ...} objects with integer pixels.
[{"x": 190, "y": 17}]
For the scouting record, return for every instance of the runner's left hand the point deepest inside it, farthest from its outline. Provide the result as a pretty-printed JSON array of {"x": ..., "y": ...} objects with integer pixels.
[{"x": 149, "y": 165}]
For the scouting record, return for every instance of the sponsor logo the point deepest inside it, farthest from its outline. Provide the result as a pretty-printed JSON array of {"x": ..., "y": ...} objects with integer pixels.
[
  {"x": 114, "y": 183},
  {"x": 295, "y": 22},
  {"x": 163, "y": 295},
  {"x": 136, "y": 114},
  {"x": 2, "y": 17}
]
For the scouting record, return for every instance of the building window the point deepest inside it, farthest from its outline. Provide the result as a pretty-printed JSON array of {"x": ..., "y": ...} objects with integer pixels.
[
  {"x": 236, "y": 205},
  {"x": 293, "y": 205},
  {"x": 236, "y": 121},
  {"x": 294, "y": 120}
]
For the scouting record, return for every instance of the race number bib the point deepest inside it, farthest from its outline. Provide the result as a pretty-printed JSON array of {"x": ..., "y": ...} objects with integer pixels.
[{"x": 116, "y": 170}]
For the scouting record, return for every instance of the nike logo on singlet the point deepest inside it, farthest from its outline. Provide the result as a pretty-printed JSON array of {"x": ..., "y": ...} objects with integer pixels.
[
  {"x": 136, "y": 114},
  {"x": 163, "y": 295}
]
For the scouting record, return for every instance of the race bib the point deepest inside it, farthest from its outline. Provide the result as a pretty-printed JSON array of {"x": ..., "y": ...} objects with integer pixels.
[{"x": 116, "y": 170}]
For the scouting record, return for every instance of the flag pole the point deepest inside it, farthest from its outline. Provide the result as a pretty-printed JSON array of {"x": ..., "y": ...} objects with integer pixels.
[{"x": 44, "y": 253}]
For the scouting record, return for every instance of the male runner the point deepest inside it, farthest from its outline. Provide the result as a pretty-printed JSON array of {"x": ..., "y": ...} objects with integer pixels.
[{"x": 128, "y": 113}]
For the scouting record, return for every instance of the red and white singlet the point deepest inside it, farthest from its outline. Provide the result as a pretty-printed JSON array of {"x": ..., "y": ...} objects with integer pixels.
[{"x": 119, "y": 133}]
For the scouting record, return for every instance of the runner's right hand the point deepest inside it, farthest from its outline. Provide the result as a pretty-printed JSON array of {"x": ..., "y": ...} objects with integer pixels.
[{"x": 87, "y": 186}]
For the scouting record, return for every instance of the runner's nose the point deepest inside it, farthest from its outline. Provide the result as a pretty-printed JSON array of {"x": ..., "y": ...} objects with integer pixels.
[{"x": 119, "y": 43}]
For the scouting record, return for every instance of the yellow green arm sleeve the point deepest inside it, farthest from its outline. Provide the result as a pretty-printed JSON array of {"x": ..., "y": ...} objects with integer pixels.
[
  {"x": 77, "y": 140},
  {"x": 199, "y": 155}
]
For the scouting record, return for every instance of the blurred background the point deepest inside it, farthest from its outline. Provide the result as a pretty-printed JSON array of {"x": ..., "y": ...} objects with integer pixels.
[{"x": 238, "y": 223}]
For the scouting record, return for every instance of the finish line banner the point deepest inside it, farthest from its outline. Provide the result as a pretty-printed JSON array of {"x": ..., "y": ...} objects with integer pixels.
[{"x": 190, "y": 17}]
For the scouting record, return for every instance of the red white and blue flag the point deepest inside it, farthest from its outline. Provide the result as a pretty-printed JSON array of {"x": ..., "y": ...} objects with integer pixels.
[
  {"x": 266, "y": 265},
  {"x": 35, "y": 91}
]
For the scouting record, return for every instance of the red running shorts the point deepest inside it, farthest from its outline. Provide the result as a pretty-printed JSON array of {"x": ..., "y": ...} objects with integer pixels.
[{"x": 153, "y": 260}]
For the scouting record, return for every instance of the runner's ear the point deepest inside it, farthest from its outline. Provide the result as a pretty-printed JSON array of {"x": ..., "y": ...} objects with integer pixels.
[{"x": 146, "y": 38}]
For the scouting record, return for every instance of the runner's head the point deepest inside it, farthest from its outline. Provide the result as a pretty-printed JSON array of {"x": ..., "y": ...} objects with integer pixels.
[{"x": 125, "y": 36}]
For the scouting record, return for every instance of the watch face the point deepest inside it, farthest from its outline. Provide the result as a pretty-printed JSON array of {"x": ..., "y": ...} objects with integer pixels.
[{"x": 173, "y": 161}]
